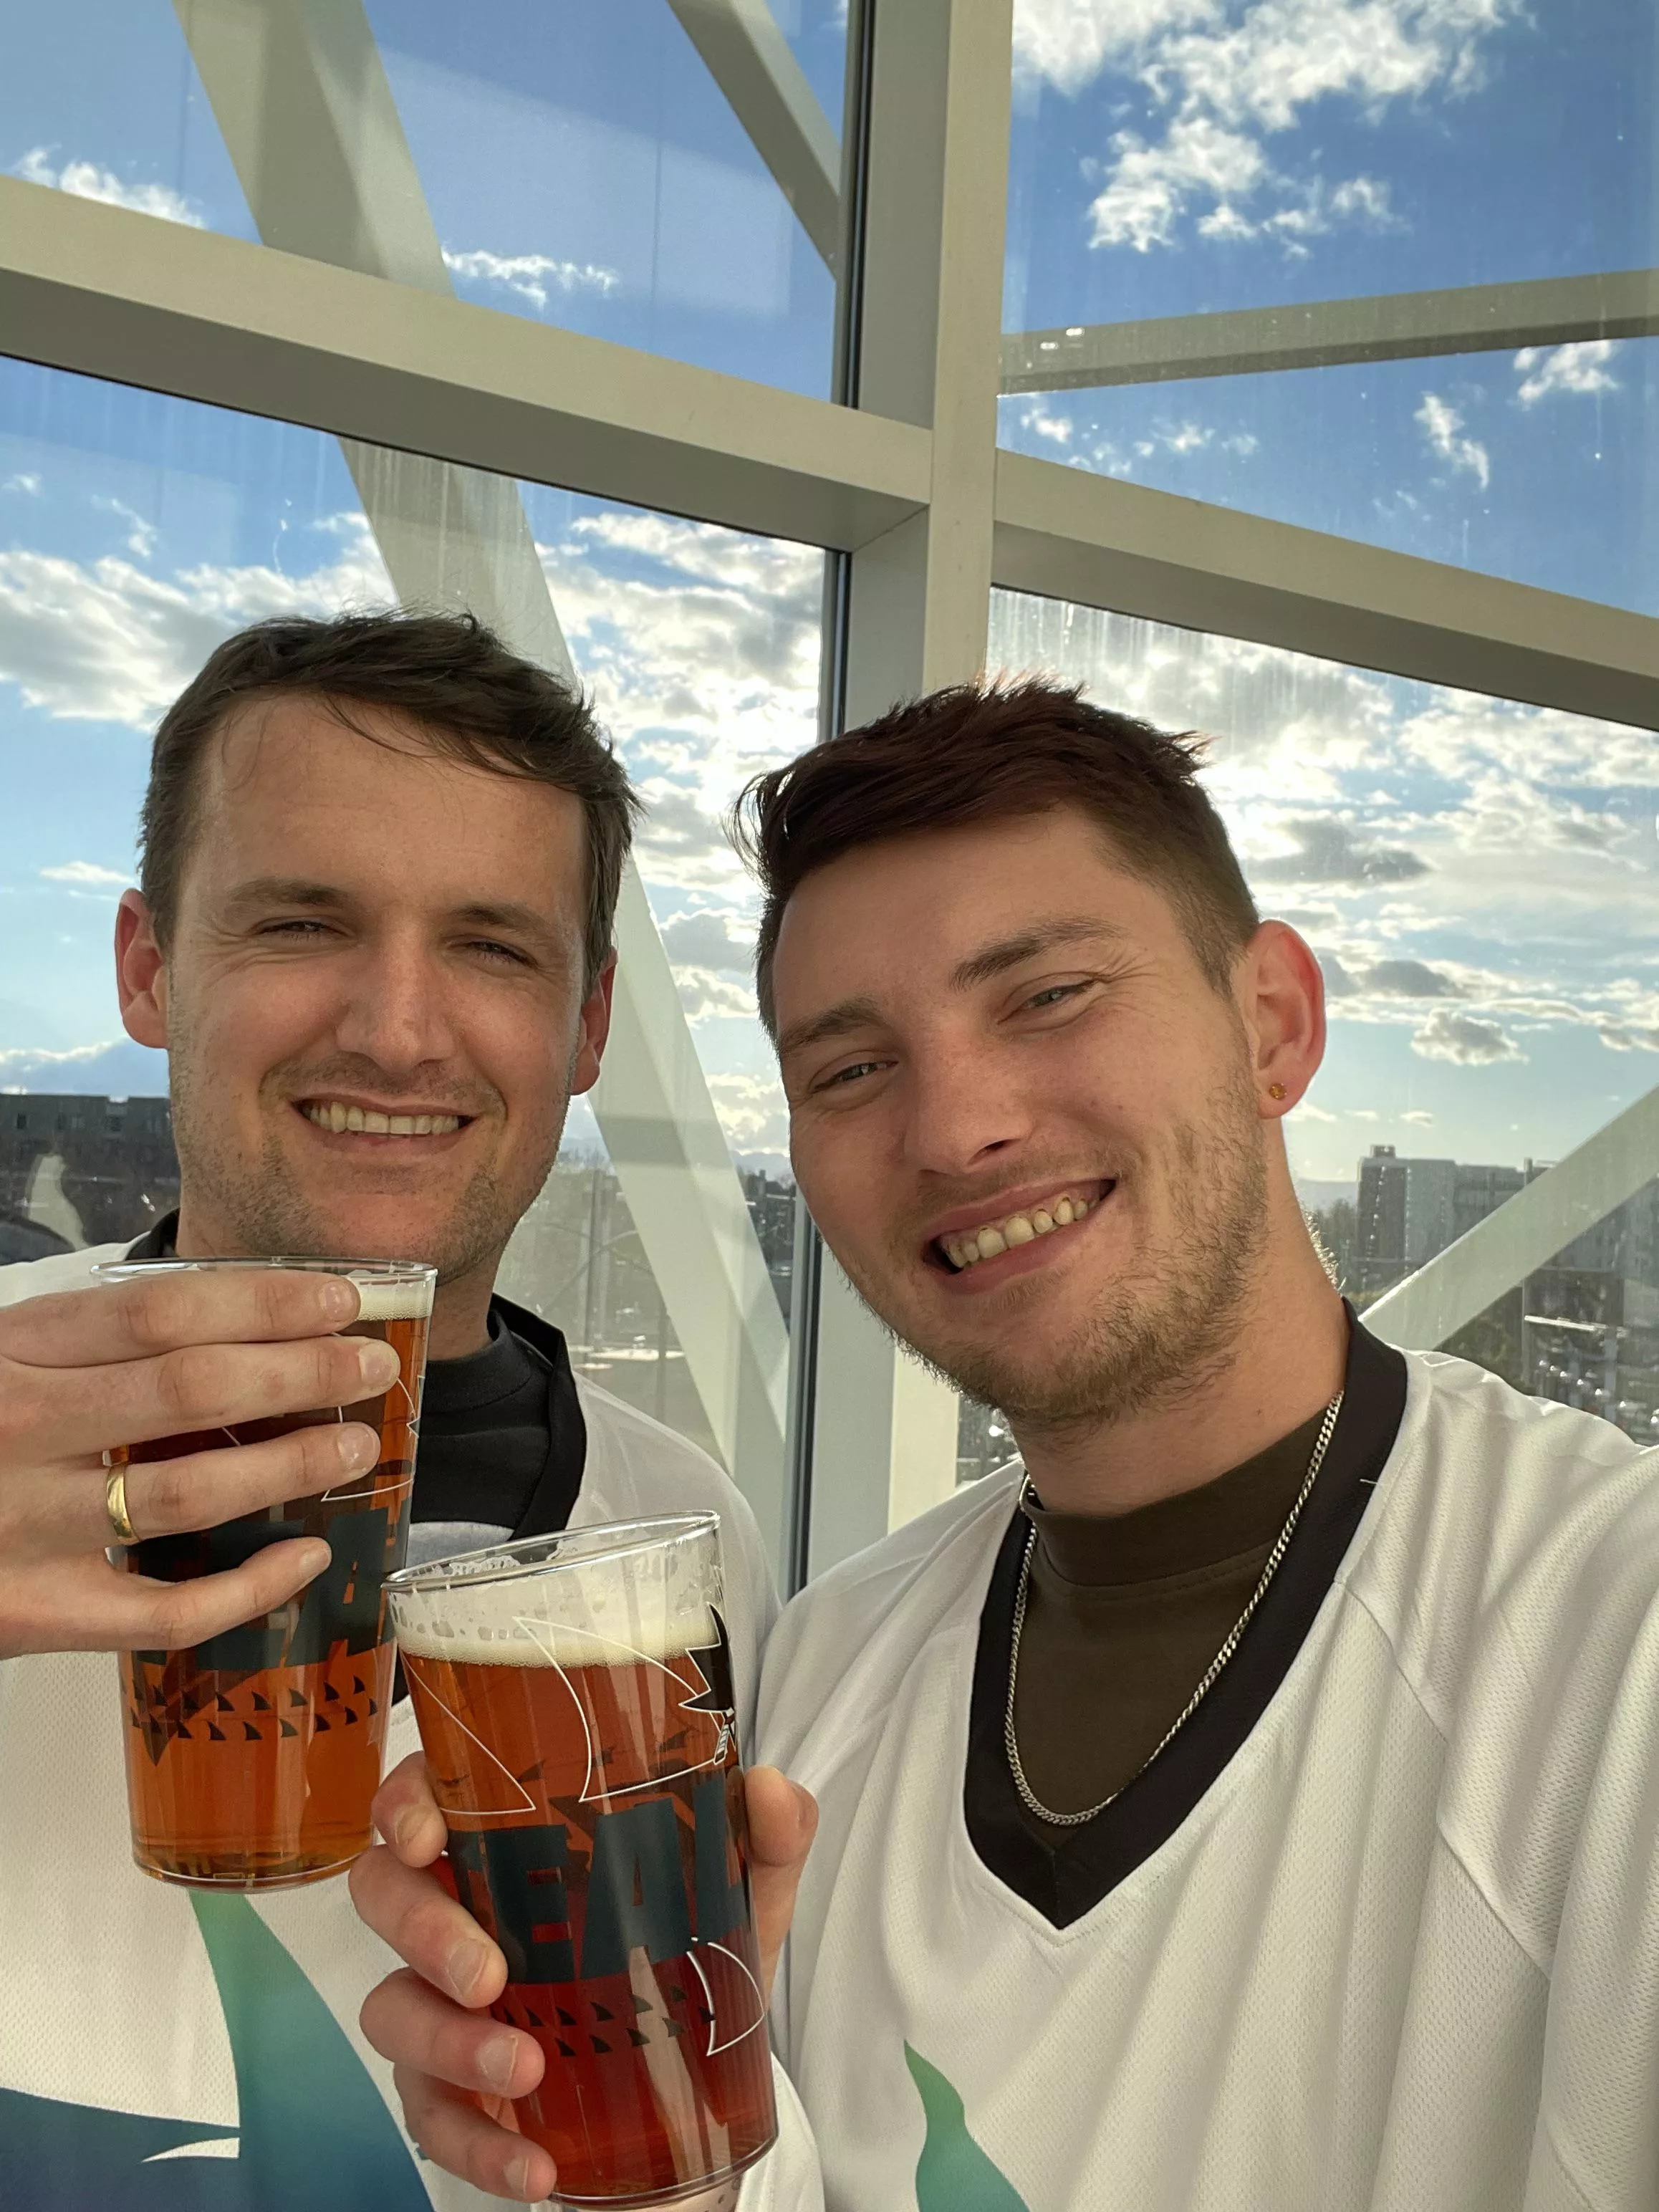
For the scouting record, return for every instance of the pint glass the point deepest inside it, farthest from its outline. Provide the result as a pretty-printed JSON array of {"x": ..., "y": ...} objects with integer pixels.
[
  {"x": 576, "y": 1704},
  {"x": 251, "y": 1759}
]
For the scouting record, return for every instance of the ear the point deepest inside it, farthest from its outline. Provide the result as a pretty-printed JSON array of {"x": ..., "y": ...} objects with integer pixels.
[
  {"x": 1282, "y": 1000},
  {"x": 140, "y": 974},
  {"x": 595, "y": 1029}
]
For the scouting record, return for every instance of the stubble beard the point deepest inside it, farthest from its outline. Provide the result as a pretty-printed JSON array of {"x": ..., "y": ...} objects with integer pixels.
[
  {"x": 1162, "y": 1330},
  {"x": 259, "y": 1206}
]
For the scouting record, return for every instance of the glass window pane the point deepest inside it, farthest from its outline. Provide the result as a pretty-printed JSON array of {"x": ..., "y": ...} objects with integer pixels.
[
  {"x": 135, "y": 530},
  {"x": 1477, "y": 879},
  {"x": 576, "y": 166},
  {"x": 1179, "y": 161}
]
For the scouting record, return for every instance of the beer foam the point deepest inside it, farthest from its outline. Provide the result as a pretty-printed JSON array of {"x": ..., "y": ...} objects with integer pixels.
[
  {"x": 602, "y": 1613},
  {"x": 380, "y": 1299}
]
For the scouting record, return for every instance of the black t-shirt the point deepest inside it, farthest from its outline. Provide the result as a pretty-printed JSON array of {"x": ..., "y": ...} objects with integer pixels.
[{"x": 1065, "y": 1873}]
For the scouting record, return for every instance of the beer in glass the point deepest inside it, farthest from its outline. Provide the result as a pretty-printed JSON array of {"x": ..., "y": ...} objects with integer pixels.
[
  {"x": 575, "y": 1704},
  {"x": 252, "y": 1758}
]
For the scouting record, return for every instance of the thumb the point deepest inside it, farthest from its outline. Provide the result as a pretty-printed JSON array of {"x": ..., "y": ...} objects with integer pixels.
[{"x": 783, "y": 1818}]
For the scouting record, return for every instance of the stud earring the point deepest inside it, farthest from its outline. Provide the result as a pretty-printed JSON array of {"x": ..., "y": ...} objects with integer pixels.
[{"x": 1275, "y": 1090}]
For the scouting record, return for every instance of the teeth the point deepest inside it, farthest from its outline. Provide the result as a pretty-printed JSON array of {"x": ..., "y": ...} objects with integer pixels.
[
  {"x": 967, "y": 1249},
  {"x": 332, "y": 1115}
]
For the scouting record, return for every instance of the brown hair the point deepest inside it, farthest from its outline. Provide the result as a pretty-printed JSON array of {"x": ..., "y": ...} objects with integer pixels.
[
  {"x": 1002, "y": 751},
  {"x": 472, "y": 699}
]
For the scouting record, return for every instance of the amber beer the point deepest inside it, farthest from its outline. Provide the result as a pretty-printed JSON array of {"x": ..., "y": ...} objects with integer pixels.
[
  {"x": 575, "y": 1704},
  {"x": 251, "y": 1759}
]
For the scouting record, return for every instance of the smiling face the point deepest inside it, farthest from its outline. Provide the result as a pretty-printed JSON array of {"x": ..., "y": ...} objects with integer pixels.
[
  {"x": 373, "y": 997},
  {"x": 1033, "y": 1132}
]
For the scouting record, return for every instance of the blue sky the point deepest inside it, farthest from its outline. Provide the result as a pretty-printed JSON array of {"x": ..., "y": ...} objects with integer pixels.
[
  {"x": 1174, "y": 157},
  {"x": 1495, "y": 971}
]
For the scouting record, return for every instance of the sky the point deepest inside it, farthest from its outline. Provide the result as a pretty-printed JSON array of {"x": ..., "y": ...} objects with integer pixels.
[
  {"x": 1171, "y": 157},
  {"x": 1477, "y": 877}
]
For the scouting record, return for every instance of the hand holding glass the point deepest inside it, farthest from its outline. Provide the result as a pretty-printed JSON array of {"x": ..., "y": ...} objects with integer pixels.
[
  {"x": 577, "y": 1712},
  {"x": 252, "y": 1759}
]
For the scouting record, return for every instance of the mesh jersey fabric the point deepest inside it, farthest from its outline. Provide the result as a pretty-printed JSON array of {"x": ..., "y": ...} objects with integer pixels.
[
  {"x": 1403, "y": 1952},
  {"x": 138, "y": 2021}
]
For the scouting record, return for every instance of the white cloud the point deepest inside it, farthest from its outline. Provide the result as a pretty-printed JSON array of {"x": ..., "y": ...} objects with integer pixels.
[
  {"x": 753, "y": 1112},
  {"x": 87, "y": 872},
  {"x": 86, "y": 181},
  {"x": 711, "y": 939},
  {"x": 1582, "y": 366},
  {"x": 533, "y": 276},
  {"x": 27, "y": 483},
  {"x": 1152, "y": 186},
  {"x": 1442, "y": 426},
  {"x": 141, "y": 534},
  {"x": 1462, "y": 1038},
  {"x": 1418, "y": 1116},
  {"x": 1230, "y": 75},
  {"x": 104, "y": 641},
  {"x": 1066, "y": 43}
]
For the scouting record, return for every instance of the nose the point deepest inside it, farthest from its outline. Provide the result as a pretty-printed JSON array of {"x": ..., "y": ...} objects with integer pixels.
[
  {"x": 964, "y": 1103},
  {"x": 396, "y": 1011}
]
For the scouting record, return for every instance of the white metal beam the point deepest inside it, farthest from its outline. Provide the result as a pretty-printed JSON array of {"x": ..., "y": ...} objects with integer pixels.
[
  {"x": 885, "y": 1429},
  {"x": 133, "y": 299},
  {"x": 309, "y": 120},
  {"x": 1524, "y": 1234},
  {"x": 1064, "y": 534},
  {"x": 1324, "y": 333},
  {"x": 127, "y": 297},
  {"x": 749, "y": 57}
]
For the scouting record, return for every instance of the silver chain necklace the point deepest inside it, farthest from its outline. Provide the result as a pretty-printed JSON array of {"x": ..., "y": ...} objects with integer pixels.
[{"x": 1028, "y": 1796}]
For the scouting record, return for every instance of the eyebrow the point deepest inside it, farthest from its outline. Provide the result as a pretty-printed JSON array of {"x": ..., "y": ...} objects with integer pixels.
[
  {"x": 994, "y": 960},
  {"x": 981, "y": 966}
]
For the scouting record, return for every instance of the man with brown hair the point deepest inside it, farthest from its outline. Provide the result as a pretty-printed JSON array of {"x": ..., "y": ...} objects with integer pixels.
[
  {"x": 381, "y": 857},
  {"x": 1246, "y": 1798}
]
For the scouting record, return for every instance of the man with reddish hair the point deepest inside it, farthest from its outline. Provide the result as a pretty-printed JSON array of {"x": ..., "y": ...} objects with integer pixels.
[{"x": 1246, "y": 1798}]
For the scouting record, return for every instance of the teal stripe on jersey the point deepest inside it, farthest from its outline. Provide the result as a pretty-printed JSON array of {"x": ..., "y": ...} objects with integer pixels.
[
  {"x": 314, "y": 2128},
  {"x": 953, "y": 2174}
]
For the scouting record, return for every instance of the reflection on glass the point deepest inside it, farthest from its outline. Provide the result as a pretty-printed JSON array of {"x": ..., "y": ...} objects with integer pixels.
[
  {"x": 135, "y": 532},
  {"x": 1478, "y": 880},
  {"x": 576, "y": 166}
]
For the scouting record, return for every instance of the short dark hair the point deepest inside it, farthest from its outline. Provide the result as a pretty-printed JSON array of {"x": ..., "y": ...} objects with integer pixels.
[
  {"x": 1001, "y": 751},
  {"x": 470, "y": 697}
]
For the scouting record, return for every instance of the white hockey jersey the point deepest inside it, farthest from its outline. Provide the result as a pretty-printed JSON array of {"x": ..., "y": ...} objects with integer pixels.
[
  {"x": 189, "y": 2052},
  {"x": 1403, "y": 1954}
]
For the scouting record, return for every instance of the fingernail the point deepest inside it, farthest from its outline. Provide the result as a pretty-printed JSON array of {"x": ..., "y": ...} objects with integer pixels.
[
  {"x": 517, "y": 2176},
  {"x": 406, "y": 1836},
  {"x": 496, "y": 2060},
  {"x": 358, "y": 1446},
  {"x": 339, "y": 1297},
  {"x": 466, "y": 1962},
  {"x": 377, "y": 1363}
]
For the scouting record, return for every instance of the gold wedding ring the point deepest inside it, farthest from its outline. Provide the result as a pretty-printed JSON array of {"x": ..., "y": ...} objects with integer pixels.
[{"x": 115, "y": 1504}]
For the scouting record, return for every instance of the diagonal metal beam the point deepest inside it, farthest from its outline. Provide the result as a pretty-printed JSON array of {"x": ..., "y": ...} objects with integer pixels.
[
  {"x": 104, "y": 292},
  {"x": 1525, "y": 1233},
  {"x": 1324, "y": 333},
  {"x": 1064, "y": 534},
  {"x": 749, "y": 57},
  {"x": 309, "y": 120}
]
